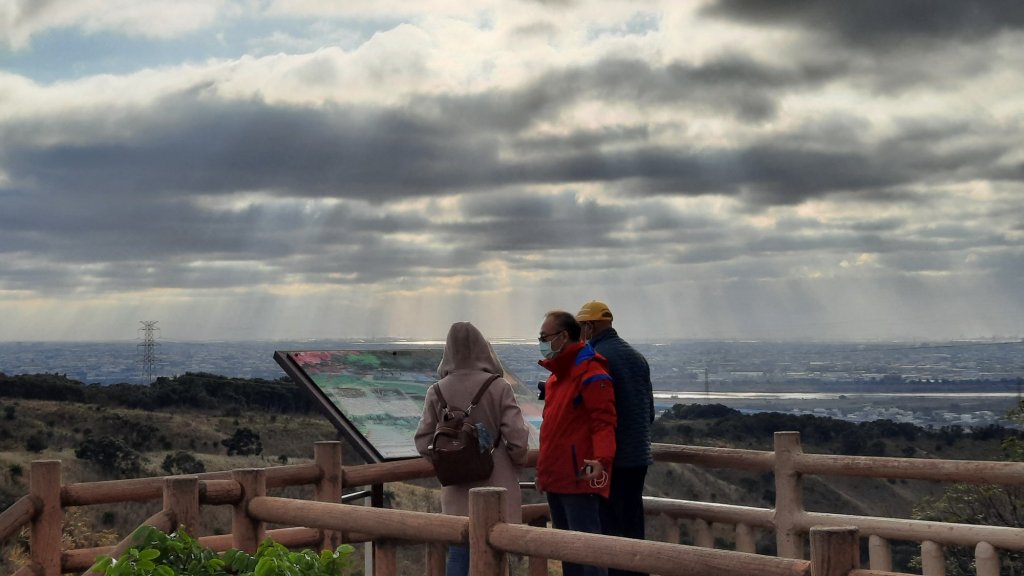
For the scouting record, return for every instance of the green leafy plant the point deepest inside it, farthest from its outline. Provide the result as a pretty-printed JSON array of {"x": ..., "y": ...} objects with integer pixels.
[{"x": 178, "y": 554}]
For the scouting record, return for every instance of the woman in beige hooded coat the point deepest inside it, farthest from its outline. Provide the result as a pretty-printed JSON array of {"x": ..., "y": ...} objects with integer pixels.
[{"x": 467, "y": 363}]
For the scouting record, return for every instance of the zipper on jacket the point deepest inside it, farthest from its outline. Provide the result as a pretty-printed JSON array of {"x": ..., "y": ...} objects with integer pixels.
[{"x": 575, "y": 465}]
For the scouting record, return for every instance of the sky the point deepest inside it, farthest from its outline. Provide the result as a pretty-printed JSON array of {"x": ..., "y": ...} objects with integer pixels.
[{"x": 726, "y": 169}]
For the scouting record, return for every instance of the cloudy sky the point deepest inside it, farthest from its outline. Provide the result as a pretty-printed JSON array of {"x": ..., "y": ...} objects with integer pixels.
[{"x": 268, "y": 169}]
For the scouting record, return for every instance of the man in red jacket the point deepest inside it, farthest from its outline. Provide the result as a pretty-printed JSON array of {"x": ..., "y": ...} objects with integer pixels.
[{"x": 577, "y": 434}]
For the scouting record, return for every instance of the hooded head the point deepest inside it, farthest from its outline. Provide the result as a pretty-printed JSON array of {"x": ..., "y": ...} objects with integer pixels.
[{"x": 467, "y": 350}]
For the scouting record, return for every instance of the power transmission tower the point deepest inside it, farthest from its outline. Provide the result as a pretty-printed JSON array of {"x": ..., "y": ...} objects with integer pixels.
[{"x": 147, "y": 349}]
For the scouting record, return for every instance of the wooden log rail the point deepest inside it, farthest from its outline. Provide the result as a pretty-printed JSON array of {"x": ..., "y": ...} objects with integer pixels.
[
  {"x": 42, "y": 508},
  {"x": 486, "y": 509}
]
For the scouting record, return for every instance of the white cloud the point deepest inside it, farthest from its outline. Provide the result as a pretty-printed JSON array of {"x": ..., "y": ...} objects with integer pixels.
[{"x": 20, "y": 20}]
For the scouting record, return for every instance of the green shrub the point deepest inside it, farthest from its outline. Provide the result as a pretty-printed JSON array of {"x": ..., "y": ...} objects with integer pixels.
[
  {"x": 36, "y": 442},
  {"x": 244, "y": 441},
  {"x": 178, "y": 554},
  {"x": 182, "y": 462},
  {"x": 111, "y": 454}
]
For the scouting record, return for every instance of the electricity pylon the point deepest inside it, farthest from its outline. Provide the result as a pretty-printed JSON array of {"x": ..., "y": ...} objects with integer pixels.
[{"x": 147, "y": 349}]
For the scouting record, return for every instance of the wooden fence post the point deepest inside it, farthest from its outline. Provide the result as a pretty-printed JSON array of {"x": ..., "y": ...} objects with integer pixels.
[
  {"x": 745, "y": 539},
  {"x": 486, "y": 508},
  {"x": 181, "y": 498},
  {"x": 671, "y": 526},
  {"x": 789, "y": 501},
  {"x": 436, "y": 559},
  {"x": 702, "y": 535},
  {"x": 247, "y": 532},
  {"x": 385, "y": 557},
  {"x": 327, "y": 456},
  {"x": 933, "y": 560},
  {"x": 48, "y": 525},
  {"x": 879, "y": 553},
  {"x": 834, "y": 551},
  {"x": 538, "y": 566},
  {"x": 986, "y": 559}
]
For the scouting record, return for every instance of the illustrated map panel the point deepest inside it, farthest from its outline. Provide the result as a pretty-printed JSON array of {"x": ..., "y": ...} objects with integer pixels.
[{"x": 378, "y": 395}]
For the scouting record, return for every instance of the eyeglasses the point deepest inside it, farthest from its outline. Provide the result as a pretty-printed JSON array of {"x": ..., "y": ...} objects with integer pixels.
[{"x": 545, "y": 337}]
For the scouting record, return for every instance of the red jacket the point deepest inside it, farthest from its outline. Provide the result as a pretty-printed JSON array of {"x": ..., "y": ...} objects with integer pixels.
[{"x": 579, "y": 421}]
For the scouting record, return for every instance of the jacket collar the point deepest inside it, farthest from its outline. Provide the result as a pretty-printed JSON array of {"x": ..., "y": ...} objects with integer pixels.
[
  {"x": 605, "y": 335},
  {"x": 574, "y": 354}
]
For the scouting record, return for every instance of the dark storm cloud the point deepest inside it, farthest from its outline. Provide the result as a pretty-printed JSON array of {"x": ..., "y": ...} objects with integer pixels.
[
  {"x": 189, "y": 144},
  {"x": 134, "y": 195},
  {"x": 375, "y": 259},
  {"x": 151, "y": 244},
  {"x": 883, "y": 24},
  {"x": 126, "y": 210},
  {"x": 761, "y": 175},
  {"x": 581, "y": 140},
  {"x": 732, "y": 84},
  {"x": 194, "y": 146},
  {"x": 518, "y": 222}
]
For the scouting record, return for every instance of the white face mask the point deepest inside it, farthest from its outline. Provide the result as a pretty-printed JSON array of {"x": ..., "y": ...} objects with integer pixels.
[{"x": 547, "y": 351}]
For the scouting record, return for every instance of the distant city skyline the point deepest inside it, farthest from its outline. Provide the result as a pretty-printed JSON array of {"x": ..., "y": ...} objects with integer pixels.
[
  {"x": 853, "y": 381},
  {"x": 676, "y": 365},
  {"x": 717, "y": 169}
]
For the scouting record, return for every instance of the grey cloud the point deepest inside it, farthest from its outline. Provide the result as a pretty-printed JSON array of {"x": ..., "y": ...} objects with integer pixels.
[
  {"x": 380, "y": 155},
  {"x": 580, "y": 260},
  {"x": 225, "y": 147},
  {"x": 913, "y": 262},
  {"x": 379, "y": 260},
  {"x": 127, "y": 206},
  {"x": 581, "y": 140},
  {"x": 1006, "y": 265},
  {"x": 657, "y": 217},
  {"x": 761, "y": 174},
  {"x": 878, "y": 225},
  {"x": 836, "y": 242},
  {"x": 517, "y": 222},
  {"x": 149, "y": 243},
  {"x": 706, "y": 254},
  {"x": 883, "y": 25},
  {"x": 949, "y": 231},
  {"x": 733, "y": 84}
]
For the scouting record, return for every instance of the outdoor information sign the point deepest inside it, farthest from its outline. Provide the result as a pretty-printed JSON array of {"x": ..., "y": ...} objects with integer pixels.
[{"x": 375, "y": 397}]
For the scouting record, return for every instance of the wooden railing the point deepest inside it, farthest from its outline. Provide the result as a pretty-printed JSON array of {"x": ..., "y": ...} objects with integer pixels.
[{"x": 326, "y": 522}]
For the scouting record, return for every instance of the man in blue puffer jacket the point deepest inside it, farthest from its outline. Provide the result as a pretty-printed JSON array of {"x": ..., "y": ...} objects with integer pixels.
[{"x": 623, "y": 512}]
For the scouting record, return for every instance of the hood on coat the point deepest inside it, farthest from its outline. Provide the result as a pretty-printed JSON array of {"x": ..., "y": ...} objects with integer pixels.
[{"x": 466, "y": 349}]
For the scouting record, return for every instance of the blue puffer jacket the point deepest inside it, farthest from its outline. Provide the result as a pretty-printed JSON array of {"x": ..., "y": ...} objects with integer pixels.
[{"x": 634, "y": 399}]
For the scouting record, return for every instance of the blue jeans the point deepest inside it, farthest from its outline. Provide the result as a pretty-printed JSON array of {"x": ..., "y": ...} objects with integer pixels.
[
  {"x": 458, "y": 561},
  {"x": 581, "y": 513}
]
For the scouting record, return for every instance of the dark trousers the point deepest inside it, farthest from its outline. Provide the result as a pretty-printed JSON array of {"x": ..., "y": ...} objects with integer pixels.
[
  {"x": 458, "y": 561},
  {"x": 623, "y": 513},
  {"x": 581, "y": 513}
]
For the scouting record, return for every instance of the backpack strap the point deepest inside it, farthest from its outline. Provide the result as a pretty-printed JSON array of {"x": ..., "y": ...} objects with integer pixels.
[
  {"x": 480, "y": 392},
  {"x": 446, "y": 413},
  {"x": 444, "y": 403}
]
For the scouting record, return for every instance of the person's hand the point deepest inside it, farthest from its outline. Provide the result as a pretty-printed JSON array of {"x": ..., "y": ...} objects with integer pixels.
[{"x": 591, "y": 469}]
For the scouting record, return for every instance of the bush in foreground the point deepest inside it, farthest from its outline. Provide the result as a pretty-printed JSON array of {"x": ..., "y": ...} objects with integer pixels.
[{"x": 178, "y": 554}]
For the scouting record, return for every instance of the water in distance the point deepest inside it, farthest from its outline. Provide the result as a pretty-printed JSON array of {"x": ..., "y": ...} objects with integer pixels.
[{"x": 927, "y": 383}]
